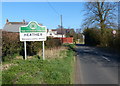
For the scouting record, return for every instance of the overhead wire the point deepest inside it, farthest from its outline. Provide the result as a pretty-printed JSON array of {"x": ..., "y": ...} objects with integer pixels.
[{"x": 53, "y": 8}]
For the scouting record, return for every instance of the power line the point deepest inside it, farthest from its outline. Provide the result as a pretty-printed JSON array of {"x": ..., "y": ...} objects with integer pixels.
[
  {"x": 60, "y": 18},
  {"x": 53, "y": 8}
]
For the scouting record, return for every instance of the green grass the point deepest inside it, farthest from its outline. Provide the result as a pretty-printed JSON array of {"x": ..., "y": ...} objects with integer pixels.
[
  {"x": 36, "y": 71},
  {"x": 72, "y": 45},
  {"x": 0, "y": 74}
]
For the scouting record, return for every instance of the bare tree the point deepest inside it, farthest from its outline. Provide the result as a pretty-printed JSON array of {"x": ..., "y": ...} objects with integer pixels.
[{"x": 101, "y": 14}]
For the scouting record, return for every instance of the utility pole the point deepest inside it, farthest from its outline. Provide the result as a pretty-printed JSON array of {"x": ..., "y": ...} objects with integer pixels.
[{"x": 61, "y": 27}]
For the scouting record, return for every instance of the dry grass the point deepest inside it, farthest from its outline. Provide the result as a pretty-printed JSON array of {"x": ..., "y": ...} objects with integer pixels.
[
  {"x": 49, "y": 53},
  {"x": 21, "y": 57},
  {"x": 7, "y": 66},
  {"x": 54, "y": 52}
]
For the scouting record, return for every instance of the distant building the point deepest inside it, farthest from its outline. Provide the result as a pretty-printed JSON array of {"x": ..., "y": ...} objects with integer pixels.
[
  {"x": 64, "y": 31},
  {"x": 57, "y": 34},
  {"x": 53, "y": 33},
  {"x": 14, "y": 26}
]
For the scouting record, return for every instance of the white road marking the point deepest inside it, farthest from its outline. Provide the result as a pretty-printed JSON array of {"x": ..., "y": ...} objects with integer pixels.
[{"x": 105, "y": 58}]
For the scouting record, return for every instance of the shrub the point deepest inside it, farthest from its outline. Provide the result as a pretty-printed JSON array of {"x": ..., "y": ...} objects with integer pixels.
[
  {"x": 92, "y": 36},
  {"x": 105, "y": 39},
  {"x": 12, "y": 45},
  {"x": 117, "y": 41},
  {"x": 51, "y": 43},
  {"x": 33, "y": 47}
]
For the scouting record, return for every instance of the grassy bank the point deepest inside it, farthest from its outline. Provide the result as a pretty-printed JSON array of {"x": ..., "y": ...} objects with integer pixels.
[
  {"x": 0, "y": 73},
  {"x": 36, "y": 71}
]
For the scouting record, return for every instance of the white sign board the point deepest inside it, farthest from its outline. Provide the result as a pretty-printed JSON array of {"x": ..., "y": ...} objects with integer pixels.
[{"x": 33, "y": 32}]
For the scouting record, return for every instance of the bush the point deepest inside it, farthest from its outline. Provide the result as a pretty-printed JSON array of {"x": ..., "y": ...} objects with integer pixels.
[
  {"x": 33, "y": 47},
  {"x": 12, "y": 45},
  {"x": 117, "y": 41},
  {"x": 51, "y": 43},
  {"x": 106, "y": 39},
  {"x": 92, "y": 36}
]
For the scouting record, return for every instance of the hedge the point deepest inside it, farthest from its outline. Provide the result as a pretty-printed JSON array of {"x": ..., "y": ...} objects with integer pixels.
[
  {"x": 11, "y": 45},
  {"x": 107, "y": 39}
]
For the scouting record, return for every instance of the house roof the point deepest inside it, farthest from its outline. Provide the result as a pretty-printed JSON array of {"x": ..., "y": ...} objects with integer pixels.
[
  {"x": 12, "y": 27},
  {"x": 60, "y": 31},
  {"x": 54, "y": 30},
  {"x": 16, "y": 22},
  {"x": 64, "y": 31}
]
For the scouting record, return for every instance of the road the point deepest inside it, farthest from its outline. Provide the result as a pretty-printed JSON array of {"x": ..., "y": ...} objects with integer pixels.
[{"x": 94, "y": 66}]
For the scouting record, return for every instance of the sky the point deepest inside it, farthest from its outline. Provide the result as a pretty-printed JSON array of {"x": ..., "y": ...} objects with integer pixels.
[
  {"x": 47, "y": 13},
  {"x": 59, "y": 0}
]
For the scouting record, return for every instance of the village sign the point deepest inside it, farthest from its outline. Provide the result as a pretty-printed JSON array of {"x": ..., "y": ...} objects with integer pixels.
[{"x": 33, "y": 32}]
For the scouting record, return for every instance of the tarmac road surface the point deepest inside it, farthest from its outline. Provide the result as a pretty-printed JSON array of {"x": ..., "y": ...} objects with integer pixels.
[{"x": 94, "y": 66}]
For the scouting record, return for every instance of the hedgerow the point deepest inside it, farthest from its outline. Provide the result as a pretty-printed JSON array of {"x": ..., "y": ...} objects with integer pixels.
[
  {"x": 12, "y": 46},
  {"x": 94, "y": 37}
]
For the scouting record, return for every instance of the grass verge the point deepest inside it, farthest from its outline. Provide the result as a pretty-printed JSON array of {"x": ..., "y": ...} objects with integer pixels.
[
  {"x": 36, "y": 71},
  {"x": 0, "y": 78}
]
